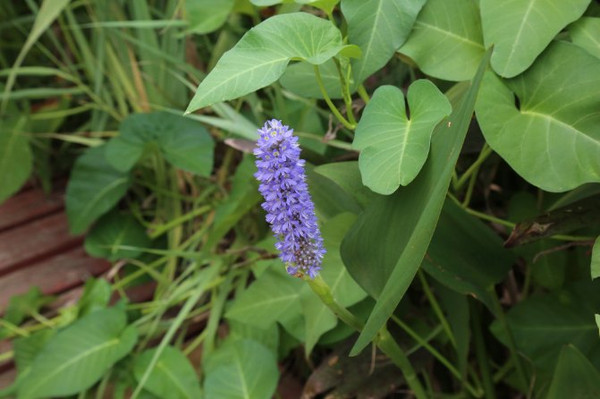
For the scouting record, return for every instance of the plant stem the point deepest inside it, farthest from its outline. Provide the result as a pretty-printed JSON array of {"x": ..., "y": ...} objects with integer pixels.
[
  {"x": 481, "y": 353},
  {"x": 453, "y": 370},
  {"x": 384, "y": 340},
  {"x": 511, "y": 339},
  {"x": 362, "y": 92},
  {"x": 436, "y": 308},
  {"x": 483, "y": 155},
  {"x": 332, "y": 107}
]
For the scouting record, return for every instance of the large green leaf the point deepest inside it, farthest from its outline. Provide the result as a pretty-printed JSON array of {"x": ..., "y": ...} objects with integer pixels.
[
  {"x": 521, "y": 29},
  {"x": 241, "y": 369},
  {"x": 446, "y": 41},
  {"x": 94, "y": 187},
  {"x": 586, "y": 34},
  {"x": 182, "y": 141},
  {"x": 77, "y": 357},
  {"x": 113, "y": 231},
  {"x": 551, "y": 139},
  {"x": 393, "y": 146},
  {"x": 466, "y": 255},
  {"x": 262, "y": 54},
  {"x": 205, "y": 16},
  {"x": 15, "y": 157},
  {"x": 384, "y": 248},
  {"x": 271, "y": 296},
  {"x": 300, "y": 79},
  {"x": 379, "y": 28},
  {"x": 574, "y": 377},
  {"x": 347, "y": 176},
  {"x": 172, "y": 377},
  {"x": 542, "y": 324}
]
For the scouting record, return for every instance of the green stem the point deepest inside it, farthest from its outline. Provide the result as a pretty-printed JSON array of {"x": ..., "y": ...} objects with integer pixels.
[
  {"x": 453, "y": 370},
  {"x": 384, "y": 340},
  {"x": 362, "y": 92},
  {"x": 483, "y": 155},
  {"x": 345, "y": 92},
  {"x": 436, "y": 308},
  {"x": 481, "y": 353},
  {"x": 389, "y": 346},
  {"x": 332, "y": 107},
  {"x": 470, "y": 187},
  {"x": 512, "y": 346}
]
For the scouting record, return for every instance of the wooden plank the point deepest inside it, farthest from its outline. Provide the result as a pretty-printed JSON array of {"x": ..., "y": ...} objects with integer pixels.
[
  {"x": 30, "y": 205},
  {"x": 53, "y": 275},
  {"x": 30, "y": 242}
]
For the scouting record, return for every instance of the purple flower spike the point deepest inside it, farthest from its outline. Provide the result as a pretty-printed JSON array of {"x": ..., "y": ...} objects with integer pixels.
[{"x": 290, "y": 210}]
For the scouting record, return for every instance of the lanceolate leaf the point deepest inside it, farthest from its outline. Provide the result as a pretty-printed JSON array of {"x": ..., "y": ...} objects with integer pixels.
[
  {"x": 261, "y": 56},
  {"x": 551, "y": 139},
  {"x": 446, "y": 41},
  {"x": 386, "y": 245},
  {"x": 94, "y": 187},
  {"x": 521, "y": 29},
  {"x": 394, "y": 147},
  {"x": 75, "y": 358},
  {"x": 379, "y": 28}
]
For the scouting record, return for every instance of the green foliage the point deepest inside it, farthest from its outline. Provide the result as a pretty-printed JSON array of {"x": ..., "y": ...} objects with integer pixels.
[
  {"x": 556, "y": 121},
  {"x": 15, "y": 157},
  {"x": 172, "y": 377},
  {"x": 184, "y": 143},
  {"x": 574, "y": 376},
  {"x": 518, "y": 34},
  {"x": 407, "y": 182},
  {"x": 75, "y": 358},
  {"x": 261, "y": 56},
  {"x": 232, "y": 372},
  {"x": 379, "y": 28},
  {"x": 394, "y": 147},
  {"x": 113, "y": 232},
  {"x": 95, "y": 187},
  {"x": 447, "y": 42}
]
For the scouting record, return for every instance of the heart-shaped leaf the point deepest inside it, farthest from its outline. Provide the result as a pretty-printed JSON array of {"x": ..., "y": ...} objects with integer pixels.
[
  {"x": 183, "y": 142},
  {"x": 95, "y": 186},
  {"x": 75, "y": 358},
  {"x": 446, "y": 41},
  {"x": 173, "y": 375},
  {"x": 521, "y": 29},
  {"x": 113, "y": 231},
  {"x": 385, "y": 247},
  {"x": 393, "y": 146},
  {"x": 262, "y": 54},
  {"x": 551, "y": 139},
  {"x": 379, "y": 28},
  {"x": 241, "y": 369}
]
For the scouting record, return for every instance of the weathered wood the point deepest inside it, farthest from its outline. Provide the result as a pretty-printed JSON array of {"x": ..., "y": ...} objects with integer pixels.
[
  {"x": 30, "y": 205},
  {"x": 52, "y": 275},
  {"x": 33, "y": 241}
]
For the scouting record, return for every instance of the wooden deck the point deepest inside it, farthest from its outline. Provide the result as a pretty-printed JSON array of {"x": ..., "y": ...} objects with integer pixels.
[{"x": 36, "y": 249}]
